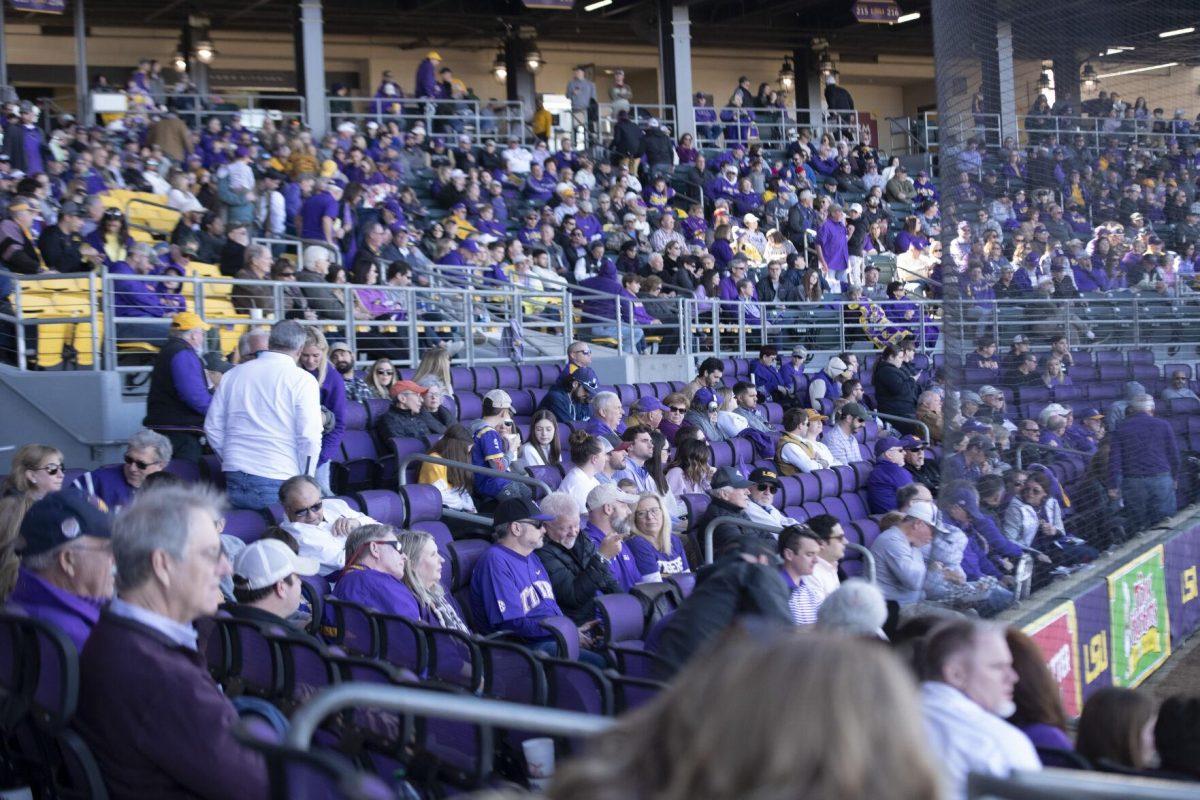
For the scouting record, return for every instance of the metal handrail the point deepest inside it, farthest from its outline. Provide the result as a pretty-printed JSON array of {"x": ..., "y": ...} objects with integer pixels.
[
  {"x": 710, "y": 528},
  {"x": 511, "y": 716},
  {"x": 403, "y": 464},
  {"x": 1071, "y": 784},
  {"x": 894, "y": 418},
  {"x": 1019, "y": 445}
]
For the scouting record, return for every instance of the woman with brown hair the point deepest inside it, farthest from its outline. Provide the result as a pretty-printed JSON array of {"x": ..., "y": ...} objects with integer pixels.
[
  {"x": 455, "y": 483},
  {"x": 1040, "y": 714},
  {"x": 37, "y": 470},
  {"x": 1116, "y": 730},
  {"x": 380, "y": 378},
  {"x": 706, "y": 736}
]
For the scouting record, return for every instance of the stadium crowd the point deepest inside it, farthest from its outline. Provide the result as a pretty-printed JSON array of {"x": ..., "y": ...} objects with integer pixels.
[{"x": 956, "y": 480}]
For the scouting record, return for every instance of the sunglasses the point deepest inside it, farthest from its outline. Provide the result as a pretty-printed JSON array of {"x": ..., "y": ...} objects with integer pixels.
[
  {"x": 52, "y": 469},
  {"x": 678, "y": 410},
  {"x": 766, "y": 487},
  {"x": 385, "y": 372},
  {"x": 287, "y": 274},
  {"x": 142, "y": 465},
  {"x": 315, "y": 508}
]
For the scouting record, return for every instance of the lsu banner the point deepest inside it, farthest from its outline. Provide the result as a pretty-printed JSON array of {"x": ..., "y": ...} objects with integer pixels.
[
  {"x": 40, "y": 6},
  {"x": 1140, "y": 623},
  {"x": 1056, "y": 634}
]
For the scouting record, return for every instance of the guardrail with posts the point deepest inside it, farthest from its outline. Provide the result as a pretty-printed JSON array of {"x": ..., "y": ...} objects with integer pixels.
[
  {"x": 478, "y": 119},
  {"x": 709, "y": 529}
]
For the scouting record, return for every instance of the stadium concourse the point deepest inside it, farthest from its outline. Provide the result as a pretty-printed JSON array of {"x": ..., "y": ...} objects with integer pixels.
[{"x": 377, "y": 452}]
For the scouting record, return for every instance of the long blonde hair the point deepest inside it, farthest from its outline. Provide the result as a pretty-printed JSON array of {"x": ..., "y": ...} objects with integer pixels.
[
  {"x": 411, "y": 545},
  {"x": 435, "y": 362},
  {"x": 740, "y": 742},
  {"x": 660, "y": 538},
  {"x": 17, "y": 497},
  {"x": 381, "y": 390},
  {"x": 313, "y": 337}
]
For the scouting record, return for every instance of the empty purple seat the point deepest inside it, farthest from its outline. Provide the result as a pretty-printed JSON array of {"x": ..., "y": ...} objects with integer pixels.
[
  {"x": 790, "y": 493},
  {"x": 245, "y": 524},
  {"x": 1109, "y": 357},
  {"x": 696, "y": 505},
  {"x": 814, "y": 508},
  {"x": 376, "y": 408},
  {"x": 862, "y": 469},
  {"x": 461, "y": 378},
  {"x": 549, "y": 373},
  {"x": 722, "y": 454},
  {"x": 837, "y": 507},
  {"x": 1033, "y": 394},
  {"x": 662, "y": 389},
  {"x": 622, "y": 619},
  {"x": 529, "y": 376},
  {"x": 355, "y": 416},
  {"x": 359, "y": 463},
  {"x": 1146, "y": 373},
  {"x": 1141, "y": 357},
  {"x": 1183, "y": 405},
  {"x": 1062, "y": 394},
  {"x": 827, "y": 480},
  {"x": 507, "y": 376},
  {"x": 810, "y": 487},
  {"x": 550, "y": 475},
  {"x": 856, "y": 505},
  {"x": 796, "y": 512},
  {"x": 847, "y": 478},
  {"x": 1103, "y": 391},
  {"x": 1113, "y": 373},
  {"x": 210, "y": 470},
  {"x": 773, "y": 412},
  {"x": 401, "y": 449},
  {"x": 523, "y": 403},
  {"x": 187, "y": 471},
  {"x": 487, "y": 379},
  {"x": 470, "y": 405},
  {"x": 868, "y": 531},
  {"x": 644, "y": 390},
  {"x": 627, "y": 394},
  {"x": 383, "y": 506},
  {"x": 573, "y": 686}
]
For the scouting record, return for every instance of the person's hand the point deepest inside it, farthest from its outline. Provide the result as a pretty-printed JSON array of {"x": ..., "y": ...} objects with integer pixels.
[
  {"x": 344, "y": 526},
  {"x": 1005, "y": 564},
  {"x": 309, "y": 314},
  {"x": 1114, "y": 494},
  {"x": 588, "y": 634},
  {"x": 1042, "y": 557},
  {"x": 214, "y": 377},
  {"x": 611, "y": 545}
]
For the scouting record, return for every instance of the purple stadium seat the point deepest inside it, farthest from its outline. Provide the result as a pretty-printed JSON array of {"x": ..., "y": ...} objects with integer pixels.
[
  {"x": 774, "y": 413},
  {"x": 796, "y": 512},
  {"x": 376, "y": 408},
  {"x": 245, "y": 524},
  {"x": 355, "y": 627},
  {"x": 814, "y": 508},
  {"x": 743, "y": 451},
  {"x": 838, "y": 508},
  {"x": 622, "y": 619},
  {"x": 461, "y": 378},
  {"x": 1183, "y": 405},
  {"x": 551, "y": 475},
  {"x": 1146, "y": 373},
  {"x": 454, "y": 658},
  {"x": 828, "y": 481},
  {"x": 253, "y": 669},
  {"x": 627, "y": 394},
  {"x": 303, "y": 664},
  {"x": 210, "y": 470},
  {"x": 1033, "y": 394},
  {"x": 1113, "y": 373},
  {"x": 1109, "y": 357},
  {"x": 383, "y": 506},
  {"x": 550, "y": 373},
  {"x": 1083, "y": 359},
  {"x": 187, "y": 471},
  {"x": 696, "y": 505},
  {"x": 470, "y": 405},
  {"x": 507, "y": 377},
  {"x": 1061, "y": 394},
  {"x": 868, "y": 531},
  {"x": 790, "y": 492},
  {"x": 847, "y": 479},
  {"x": 530, "y": 376},
  {"x": 573, "y": 686},
  {"x": 276, "y": 513},
  {"x": 722, "y": 454},
  {"x": 684, "y": 582},
  {"x": 424, "y": 502},
  {"x": 863, "y": 470},
  {"x": 856, "y": 505},
  {"x": 355, "y": 416},
  {"x": 810, "y": 487},
  {"x": 523, "y": 402},
  {"x": 662, "y": 389},
  {"x": 565, "y": 634},
  {"x": 401, "y": 448},
  {"x": 1175, "y": 366},
  {"x": 633, "y": 692},
  {"x": 358, "y": 465},
  {"x": 401, "y": 641},
  {"x": 486, "y": 379}
]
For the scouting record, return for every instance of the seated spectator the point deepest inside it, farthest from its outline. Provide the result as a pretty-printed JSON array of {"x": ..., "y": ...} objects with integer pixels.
[
  {"x": 1177, "y": 738},
  {"x": 961, "y": 577},
  {"x": 799, "y": 549},
  {"x": 114, "y": 485},
  {"x": 1116, "y": 730},
  {"x": 436, "y": 415},
  {"x": 1037, "y": 697},
  {"x": 899, "y": 559},
  {"x": 929, "y": 411},
  {"x": 36, "y": 470},
  {"x": 66, "y": 573},
  {"x": 380, "y": 377},
  {"x": 888, "y": 475},
  {"x": 743, "y": 581},
  {"x": 1087, "y": 431},
  {"x": 423, "y": 577},
  {"x": 495, "y": 447},
  {"x": 266, "y": 582},
  {"x": 704, "y": 413},
  {"x": 1034, "y": 521},
  {"x": 403, "y": 419},
  {"x": 794, "y": 452},
  {"x": 569, "y": 399},
  {"x": 374, "y": 573},
  {"x": 1179, "y": 388},
  {"x": 993, "y": 409},
  {"x": 747, "y": 408},
  {"x": 984, "y": 357},
  {"x": 145, "y": 692},
  {"x": 454, "y": 483},
  {"x": 1053, "y": 375},
  {"x": 1024, "y": 372},
  {"x": 577, "y": 567},
  {"x": 960, "y": 502},
  {"x": 605, "y": 419},
  {"x": 610, "y": 515},
  {"x": 828, "y": 382},
  {"x": 856, "y": 608},
  {"x": 656, "y": 550},
  {"x": 647, "y": 411},
  {"x": 841, "y": 438},
  {"x": 708, "y": 376},
  {"x": 690, "y": 470},
  {"x": 769, "y": 380},
  {"x": 591, "y": 458},
  {"x": 833, "y": 547},
  {"x": 542, "y": 449},
  {"x": 966, "y": 694},
  {"x": 641, "y": 448},
  {"x": 320, "y": 525},
  {"x": 730, "y": 495},
  {"x": 921, "y": 469},
  {"x": 764, "y": 485}
]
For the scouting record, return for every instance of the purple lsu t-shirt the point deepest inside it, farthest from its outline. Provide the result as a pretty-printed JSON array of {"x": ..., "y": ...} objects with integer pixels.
[
  {"x": 378, "y": 591},
  {"x": 624, "y": 568},
  {"x": 512, "y": 592}
]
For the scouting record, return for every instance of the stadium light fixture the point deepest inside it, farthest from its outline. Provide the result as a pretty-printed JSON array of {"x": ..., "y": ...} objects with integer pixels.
[
  {"x": 500, "y": 68},
  {"x": 1089, "y": 77},
  {"x": 1176, "y": 32},
  {"x": 599, "y": 4},
  {"x": 179, "y": 60},
  {"x": 1137, "y": 70},
  {"x": 533, "y": 60},
  {"x": 787, "y": 75},
  {"x": 205, "y": 51},
  {"x": 912, "y": 17}
]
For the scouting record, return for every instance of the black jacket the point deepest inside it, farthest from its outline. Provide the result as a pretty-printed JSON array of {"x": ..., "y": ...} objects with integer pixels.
[
  {"x": 60, "y": 250},
  {"x": 787, "y": 292},
  {"x": 400, "y": 424},
  {"x": 658, "y": 147},
  {"x": 727, "y": 533},
  {"x": 577, "y": 576},
  {"x": 725, "y": 590},
  {"x": 627, "y": 139},
  {"x": 895, "y": 391}
]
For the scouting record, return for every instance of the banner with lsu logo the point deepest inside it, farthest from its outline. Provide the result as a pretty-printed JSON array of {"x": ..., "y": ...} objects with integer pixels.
[
  {"x": 1140, "y": 623},
  {"x": 1056, "y": 634}
]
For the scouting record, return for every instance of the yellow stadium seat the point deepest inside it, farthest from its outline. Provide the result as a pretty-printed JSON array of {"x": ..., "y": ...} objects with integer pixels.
[{"x": 201, "y": 270}]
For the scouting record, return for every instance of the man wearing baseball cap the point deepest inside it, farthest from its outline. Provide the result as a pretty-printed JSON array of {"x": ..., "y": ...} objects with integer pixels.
[
  {"x": 609, "y": 513},
  {"x": 266, "y": 582},
  {"x": 403, "y": 419},
  {"x": 648, "y": 411},
  {"x": 730, "y": 496},
  {"x": 510, "y": 589},
  {"x": 569, "y": 399},
  {"x": 494, "y": 447},
  {"x": 1087, "y": 431},
  {"x": 888, "y": 476},
  {"x": 61, "y": 244},
  {"x": 922, "y": 470},
  {"x": 179, "y": 387},
  {"x": 66, "y": 572},
  {"x": 764, "y": 489},
  {"x": 899, "y": 560},
  {"x": 840, "y": 437}
]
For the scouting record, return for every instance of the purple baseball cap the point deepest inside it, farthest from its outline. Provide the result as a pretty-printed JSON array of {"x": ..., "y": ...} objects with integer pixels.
[
  {"x": 885, "y": 444},
  {"x": 647, "y": 404}
]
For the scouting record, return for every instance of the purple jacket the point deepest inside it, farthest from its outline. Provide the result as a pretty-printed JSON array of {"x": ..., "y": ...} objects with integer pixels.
[
  {"x": 1142, "y": 447},
  {"x": 333, "y": 397},
  {"x": 511, "y": 592},
  {"x": 603, "y": 307},
  {"x": 73, "y": 614},
  {"x": 135, "y": 298},
  {"x": 831, "y": 237},
  {"x": 108, "y": 484},
  {"x": 624, "y": 567},
  {"x": 426, "y": 82},
  {"x": 378, "y": 591}
]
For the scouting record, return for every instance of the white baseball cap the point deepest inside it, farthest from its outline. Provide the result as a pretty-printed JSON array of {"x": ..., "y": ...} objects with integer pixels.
[
  {"x": 268, "y": 561},
  {"x": 607, "y": 493},
  {"x": 500, "y": 399}
]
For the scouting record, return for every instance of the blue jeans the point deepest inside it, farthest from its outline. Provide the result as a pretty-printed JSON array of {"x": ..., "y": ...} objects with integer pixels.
[
  {"x": 1148, "y": 500},
  {"x": 251, "y": 491},
  {"x": 550, "y": 648},
  {"x": 996, "y": 601},
  {"x": 633, "y": 338}
]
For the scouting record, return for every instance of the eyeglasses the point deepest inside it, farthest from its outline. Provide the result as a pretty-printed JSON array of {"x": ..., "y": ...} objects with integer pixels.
[
  {"x": 677, "y": 410},
  {"x": 648, "y": 512},
  {"x": 385, "y": 372},
  {"x": 287, "y": 274},
  {"x": 533, "y": 523},
  {"x": 766, "y": 487},
  {"x": 314, "y": 509},
  {"x": 392, "y": 543},
  {"x": 142, "y": 465},
  {"x": 51, "y": 469},
  {"x": 583, "y": 352}
]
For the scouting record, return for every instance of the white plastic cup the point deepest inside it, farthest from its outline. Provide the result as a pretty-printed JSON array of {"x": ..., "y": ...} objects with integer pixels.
[
  {"x": 539, "y": 761},
  {"x": 256, "y": 313}
]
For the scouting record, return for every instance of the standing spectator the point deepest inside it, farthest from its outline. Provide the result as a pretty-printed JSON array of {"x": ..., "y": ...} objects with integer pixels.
[
  {"x": 582, "y": 94},
  {"x": 145, "y": 693},
  {"x": 896, "y": 391},
  {"x": 265, "y": 421},
  {"x": 1143, "y": 465},
  {"x": 179, "y": 396},
  {"x": 24, "y": 143},
  {"x": 620, "y": 94},
  {"x": 966, "y": 695},
  {"x": 66, "y": 564},
  {"x": 627, "y": 139},
  {"x": 114, "y": 485},
  {"x": 426, "y": 82},
  {"x": 833, "y": 254}
]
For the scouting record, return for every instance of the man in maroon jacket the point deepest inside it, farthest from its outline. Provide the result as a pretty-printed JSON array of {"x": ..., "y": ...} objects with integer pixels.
[{"x": 155, "y": 720}]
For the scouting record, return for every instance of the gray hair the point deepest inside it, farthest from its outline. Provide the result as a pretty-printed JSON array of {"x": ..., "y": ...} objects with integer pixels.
[
  {"x": 364, "y": 534},
  {"x": 149, "y": 438},
  {"x": 158, "y": 520},
  {"x": 560, "y": 504},
  {"x": 313, "y": 254},
  {"x": 253, "y": 341},
  {"x": 432, "y": 382},
  {"x": 856, "y": 608},
  {"x": 43, "y": 561},
  {"x": 253, "y": 251},
  {"x": 1141, "y": 402},
  {"x": 287, "y": 337},
  {"x": 294, "y": 482},
  {"x": 602, "y": 399},
  {"x": 142, "y": 249}
]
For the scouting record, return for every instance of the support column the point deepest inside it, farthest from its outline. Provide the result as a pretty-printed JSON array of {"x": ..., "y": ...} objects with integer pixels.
[
  {"x": 3, "y": 56},
  {"x": 310, "y": 65},
  {"x": 1066, "y": 81},
  {"x": 521, "y": 83},
  {"x": 83, "y": 96},
  {"x": 810, "y": 87},
  {"x": 1008, "y": 91},
  {"x": 675, "y": 34}
]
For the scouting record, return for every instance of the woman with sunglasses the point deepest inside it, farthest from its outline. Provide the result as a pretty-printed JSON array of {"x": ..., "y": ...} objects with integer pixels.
[
  {"x": 37, "y": 470},
  {"x": 380, "y": 378},
  {"x": 111, "y": 238},
  {"x": 656, "y": 550}
]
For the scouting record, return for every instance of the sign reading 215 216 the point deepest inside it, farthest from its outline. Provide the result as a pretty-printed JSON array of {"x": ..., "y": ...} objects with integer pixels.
[{"x": 878, "y": 11}]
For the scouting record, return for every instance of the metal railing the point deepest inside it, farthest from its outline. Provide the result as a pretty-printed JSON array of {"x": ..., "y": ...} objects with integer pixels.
[
  {"x": 707, "y": 535},
  {"x": 478, "y": 119},
  {"x": 1073, "y": 784},
  {"x": 640, "y": 113},
  {"x": 440, "y": 705},
  {"x": 253, "y": 109},
  {"x": 907, "y": 421},
  {"x": 1035, "y": 129},
  {"x": 718, "y": 126}
]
